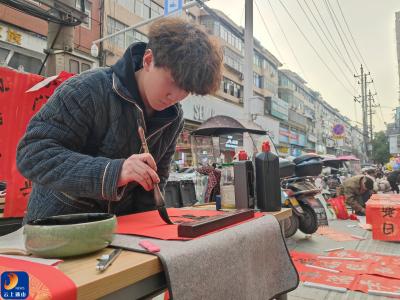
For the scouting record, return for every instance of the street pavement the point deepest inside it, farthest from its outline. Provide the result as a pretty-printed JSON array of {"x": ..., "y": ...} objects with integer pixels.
[{"x": 317, "y": 244}]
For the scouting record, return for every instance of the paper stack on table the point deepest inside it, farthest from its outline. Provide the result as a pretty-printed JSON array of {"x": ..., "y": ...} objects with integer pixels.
[{"x": 12, "y": 245}]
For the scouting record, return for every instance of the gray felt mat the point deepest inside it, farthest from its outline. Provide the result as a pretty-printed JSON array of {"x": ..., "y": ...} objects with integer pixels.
[{"x": 247, "y": 261}]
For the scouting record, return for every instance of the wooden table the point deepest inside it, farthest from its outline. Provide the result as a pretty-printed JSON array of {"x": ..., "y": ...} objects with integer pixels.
[
  {"x": 132, "y": 275},
  {"x": 141, "y": 274}
]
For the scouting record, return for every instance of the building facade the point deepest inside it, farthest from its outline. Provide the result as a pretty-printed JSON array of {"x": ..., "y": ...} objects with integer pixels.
[
  {"x": 23, "y": 39},
  {"x": 296, "y": 117}
]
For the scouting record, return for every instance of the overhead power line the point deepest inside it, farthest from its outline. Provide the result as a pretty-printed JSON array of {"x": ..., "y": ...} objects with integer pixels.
[
  {"x": 330, "y": 40},
  {"x": 361, "y": 59},
  {"x": 269, "y": 33},
  {"x": 351, "y": 35},
  {"x": 339, "y": 34},
  {"x": 316, "y": 52},
  {"x": 40, "y": 13},
  {"x": 326, "y": 47},
  {"x": 287, "y": 40},
  {"x": 341, "y": 29}
]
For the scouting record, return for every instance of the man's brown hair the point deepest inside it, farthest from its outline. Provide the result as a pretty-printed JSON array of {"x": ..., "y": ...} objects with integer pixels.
[{"x": 185, "y": 49}]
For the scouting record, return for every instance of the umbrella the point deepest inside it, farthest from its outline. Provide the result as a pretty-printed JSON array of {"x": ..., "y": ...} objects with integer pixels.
[{"x": 219, "y": 125}]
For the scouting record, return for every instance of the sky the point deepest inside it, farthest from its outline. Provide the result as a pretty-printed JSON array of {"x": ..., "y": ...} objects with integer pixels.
[{"x": 331, "y": 72}]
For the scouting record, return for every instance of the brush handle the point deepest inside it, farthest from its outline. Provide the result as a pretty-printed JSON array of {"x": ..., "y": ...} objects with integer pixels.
[
  {"x": 143, "y": 140},
  {"x": 158, "y": 197}
]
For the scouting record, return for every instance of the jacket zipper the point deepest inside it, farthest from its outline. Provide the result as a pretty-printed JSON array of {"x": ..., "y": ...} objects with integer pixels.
[{"x": 141, "y": 114}]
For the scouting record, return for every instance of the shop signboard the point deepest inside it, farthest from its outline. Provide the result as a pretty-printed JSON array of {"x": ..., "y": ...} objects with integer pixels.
[
  {"x": 297, "y": 118},
  {"x": 294, "y": 138},
  {"x": 338, "y": 131},
  {"x": 393, "y": 145},
  {"x": 21, "y": 38},
  {"x": 172, "y": 6},
  {"x": 397, "y": 118},
  {"x": 302, "y": 140},
  {"x": 321, "y": 149},
  {"x": 330, "y": 143},
  {"x": 283, "y": 150},
  {"x": 296, "y": 152},
  {"x": 284, "y": 135},
  {"x": 279, "y": 108},
  {"x": 311, "y": 146},
  {"x": 230, "y": 141},
  {"x": 311, "y": 138}
]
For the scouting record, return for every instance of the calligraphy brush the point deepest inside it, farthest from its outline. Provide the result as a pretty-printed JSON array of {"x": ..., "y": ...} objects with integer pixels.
[{"x": 158, "y": 196}]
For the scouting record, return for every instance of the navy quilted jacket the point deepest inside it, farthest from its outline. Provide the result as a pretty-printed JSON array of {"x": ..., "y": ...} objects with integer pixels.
[{"x": 74, "y": 147}]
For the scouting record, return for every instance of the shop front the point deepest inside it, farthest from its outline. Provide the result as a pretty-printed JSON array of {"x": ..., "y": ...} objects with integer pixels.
[
  {"x": 20, "y": 49},
  {"x": 284, "y": 146},
  {"x": 196, "y": 110},
  {"x": 183, "y": 156}
]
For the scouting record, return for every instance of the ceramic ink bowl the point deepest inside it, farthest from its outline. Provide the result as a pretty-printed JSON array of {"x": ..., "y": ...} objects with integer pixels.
[{"x": 69, "y": 235}]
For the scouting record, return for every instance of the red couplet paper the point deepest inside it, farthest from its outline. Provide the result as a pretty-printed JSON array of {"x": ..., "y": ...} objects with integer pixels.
[
  {"x": 323, "y": 277},
  {"x": 45, "y": 282},
  {"x": 373, "y": 272},
  {"x": 150, "y": 224},
  {"x": 16, "y": 109},
  {"x": 364, "y": 256},
  {"x": 378, "y": 283}
]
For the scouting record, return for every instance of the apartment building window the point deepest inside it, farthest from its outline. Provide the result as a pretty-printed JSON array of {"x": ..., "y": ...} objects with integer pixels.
[
  {"x": 271, "y": 86},
  {"x": 229, "y": 37},
  {"x": 223, "y": 32},
  {"x": 123, "y": 40},
  {"x": 156, "y": 10},
  {"x": 286, "y": 82},
  {"x": 233, "y": 60},
  {"x": 115, "y": 26},
  {"x": 232, "y": 88},
  {"x": 258, "y": 80},
  {"x": 128, "y": 4},
  {"x": 85, "y": 67},
  {"x": 88, "y": 11},
  {"x": 257, "y": 60},
  {"x": 143, "y": 8},
  {"x": 24, "y": 63},
  {"x": 272, "y": 70},
  {"x": 3, "y": 55},
  {"x": 74, "y": 66}
]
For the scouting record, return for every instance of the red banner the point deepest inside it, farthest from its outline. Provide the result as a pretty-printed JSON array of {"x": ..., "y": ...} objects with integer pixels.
[
  {"x": 45, "y": 282},
  {"x": 17, "y": 106}
]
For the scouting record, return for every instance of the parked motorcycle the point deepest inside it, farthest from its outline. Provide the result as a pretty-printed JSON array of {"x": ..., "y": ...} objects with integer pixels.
[
  {"x": 299, "y": 194},
  {"x": 331, "y": 183}
]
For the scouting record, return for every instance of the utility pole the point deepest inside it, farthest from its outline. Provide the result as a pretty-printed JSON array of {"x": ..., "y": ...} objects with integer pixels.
[
  {"x": 248, "y": 59},
  {"x": 370, "y": 113},
  {"x": 364, "y": 107}
]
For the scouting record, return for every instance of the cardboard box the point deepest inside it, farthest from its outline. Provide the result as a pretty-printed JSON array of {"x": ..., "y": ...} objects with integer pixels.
[{"x": 383, "y": 213}]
